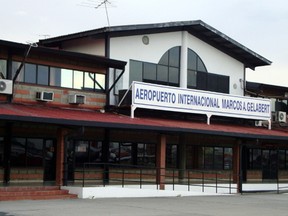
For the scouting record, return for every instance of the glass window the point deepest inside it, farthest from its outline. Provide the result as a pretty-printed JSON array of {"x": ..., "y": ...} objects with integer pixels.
[
  {"x": 34, "y": 152},
  {"x": 200, "y": 65},
  {"x": 192, "y": 60},
  {"x": 146, "y": 154},
  {"x": 174, "y": 57},
  {"x": 81, "y": 152},
  {"x": 218, "y": 158},
  {"x": 281, "y": 158},
  {"x": 55, "y": 76},
  {"x": 149, "y": 72},
  {"x": 255, "y": 158},
  {"x": 18, "y": 156},
  {"x": 43, "y": 75},
  {"x": 95, "y": 151},
  {"x": 171, "y": 156},
  {"x": 191, "y": 79},
  {"x": 66, "y": 78},
  {"x": 1, "y": 151},
  {"x": 101, "y": 80},
  {"x": 162, "y": 73},
  {"x": 228, "y": 158},
  {"x": 209, "y": 158},
  {"x": 3, "y": 69},
  {"x": 125, "y": 153},
  {"x": 15, "y": 66},
  {"x": 136, "y": 71},
  {"x": 164, "y": 59},
  {"x": 78, "y": 80},
  {"x": 30, "y": 73},
  {"x": 174, "y": 76},
  {"x": 89, "y": 81}
]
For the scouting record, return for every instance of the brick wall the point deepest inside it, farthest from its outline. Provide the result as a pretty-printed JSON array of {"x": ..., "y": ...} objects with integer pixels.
[{"x": 25, "y": 93}]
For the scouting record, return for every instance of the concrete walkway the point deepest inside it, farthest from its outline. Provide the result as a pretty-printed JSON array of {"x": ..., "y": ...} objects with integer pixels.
[{"x": 249, "y": 204}]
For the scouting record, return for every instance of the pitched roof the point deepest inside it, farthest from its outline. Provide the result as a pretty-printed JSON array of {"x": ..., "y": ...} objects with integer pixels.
[
  {"x": 90, "y": 118},
  {"x": 197, "y": 28}
]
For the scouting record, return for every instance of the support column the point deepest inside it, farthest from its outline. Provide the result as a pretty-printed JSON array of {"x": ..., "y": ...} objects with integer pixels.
[
  {"x": 184, "y": 60},
  {"x": 161, "y": 161},
  {"x": 7, "y": 153},
  {"x": 237, "y": 172},
  {"x": 182, "y": 157},
  {"x": 60, "y": 156}
]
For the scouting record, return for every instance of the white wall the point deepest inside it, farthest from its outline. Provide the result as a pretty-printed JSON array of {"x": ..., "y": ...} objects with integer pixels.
[{"x": 131, "y": 47}]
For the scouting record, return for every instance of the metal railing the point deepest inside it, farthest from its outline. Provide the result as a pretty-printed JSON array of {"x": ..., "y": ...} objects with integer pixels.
[{"x": 103, "y": 174}]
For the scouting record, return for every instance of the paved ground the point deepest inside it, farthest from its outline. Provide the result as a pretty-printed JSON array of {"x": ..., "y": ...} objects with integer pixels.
[{"x": 251, "y": 204}]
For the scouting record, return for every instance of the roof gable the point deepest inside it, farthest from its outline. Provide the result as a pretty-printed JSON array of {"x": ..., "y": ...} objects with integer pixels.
[{"x": 196, "y": 28}]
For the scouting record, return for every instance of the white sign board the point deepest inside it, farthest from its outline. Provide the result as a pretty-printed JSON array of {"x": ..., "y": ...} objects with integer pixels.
[{"x": 151, "y": 96}]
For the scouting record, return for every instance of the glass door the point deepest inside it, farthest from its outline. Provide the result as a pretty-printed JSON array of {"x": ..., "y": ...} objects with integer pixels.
[{"x": 49, "y": 161}]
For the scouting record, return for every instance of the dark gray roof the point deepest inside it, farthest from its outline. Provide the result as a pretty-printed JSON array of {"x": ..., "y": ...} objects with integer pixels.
[{"x": 197, "y": 28}]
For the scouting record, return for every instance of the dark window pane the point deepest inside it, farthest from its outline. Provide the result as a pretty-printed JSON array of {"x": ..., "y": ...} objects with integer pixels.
[
  {"x": 174, "y": 57},
  {"x": 228, "y": 158},
  {"x": 30, "y": 73},
  {"x": 223, "y": 84},
  {"x": 281, "y": 158},
  {"x": 81, "y": 153},
  {"x": 201, "y": 157},
  {"x": 201, "y": 80},
  {"x": 125, "y": 154},
  {"x": 192, "y": 60},
  {"x": 146, "y": 154},
  {"x": 164, "y": 59},
  {"x": 42, "y": 76},
  {"x": 55, "y": 76},
  {"x": 149, "y": 71},
  {"x": 209, "y": 159},
  {"x": 200, "y": 65},
  {"x": 191, "y": 79},
  {"x": 212, "y": 82},
  {"x": 171, "y": 156},
  {"x": 162, "y": 73},
  {"x": 34, "y": 152},
  {"x": 173, "y": 75},
  {"x": 114, "y": 152},
  {"x": 135, "y": 71},
  {"x": 218, "y": 158},
  {"x": 95, "y": 151},
  {"x": 18, "y": 156},
  {"x": 1, "y": 151}
]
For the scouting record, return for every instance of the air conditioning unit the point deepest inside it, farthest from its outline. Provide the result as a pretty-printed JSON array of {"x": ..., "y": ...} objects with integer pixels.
[
  {"x": 281, "y": 116},
  {"x": 76, "y": 99},
  {"x": 44, "y": 96},
  {"x": 6, "y": 86},
  {"x": 258, "y": 123}
]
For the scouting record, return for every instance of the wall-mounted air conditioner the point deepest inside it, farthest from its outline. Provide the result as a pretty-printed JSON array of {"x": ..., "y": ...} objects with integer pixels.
[
  {"x": 6, "y": 86},
  {"x": 281, "y": 116},
  {"x": 44, "y": 96},
  {"x": 76, "y": 99}
]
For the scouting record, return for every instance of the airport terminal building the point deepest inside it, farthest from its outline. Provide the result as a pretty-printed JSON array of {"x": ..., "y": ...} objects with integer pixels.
[{"x": 166, "y": 95}]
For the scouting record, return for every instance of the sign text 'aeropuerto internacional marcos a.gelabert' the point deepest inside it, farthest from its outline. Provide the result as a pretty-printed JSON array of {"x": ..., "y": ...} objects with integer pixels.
[{"x": 151, "y": 96}]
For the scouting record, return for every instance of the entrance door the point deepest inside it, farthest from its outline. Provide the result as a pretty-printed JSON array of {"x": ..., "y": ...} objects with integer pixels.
[
  {"x": 269, "y": 164},
  {"x": 49, "y": 161}
]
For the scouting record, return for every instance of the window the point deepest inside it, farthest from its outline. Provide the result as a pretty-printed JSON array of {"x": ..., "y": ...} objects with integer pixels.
[
  {"x": 146, "y": 154},
  {"x": 1, "y": 151},
  {"x": 27, "y": 152},
  {"x": 171, "y": 156},
  {"x": 219, "y": 158},
  {"x": 3, "y": 69},
  {"x": 60, "y": 77},
  {"x": 87, "y": 151}
]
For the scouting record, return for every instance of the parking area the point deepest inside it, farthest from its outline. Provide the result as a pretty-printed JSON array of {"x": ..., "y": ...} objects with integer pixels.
[{"x": 249, "y": 204}]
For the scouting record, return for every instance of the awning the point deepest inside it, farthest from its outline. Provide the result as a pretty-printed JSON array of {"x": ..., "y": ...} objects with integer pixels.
[{"x": 90, "y": 118}]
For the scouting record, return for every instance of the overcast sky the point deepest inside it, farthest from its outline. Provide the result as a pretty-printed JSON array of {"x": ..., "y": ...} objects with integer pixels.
[{"x": 260, "y": 25}]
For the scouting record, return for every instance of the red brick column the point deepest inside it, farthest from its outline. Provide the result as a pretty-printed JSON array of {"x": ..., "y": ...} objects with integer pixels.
[
  {"x": 236, "y": 165},
  {"x": 161, "y": 161},
  {"x": 60, "y": 156}
]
